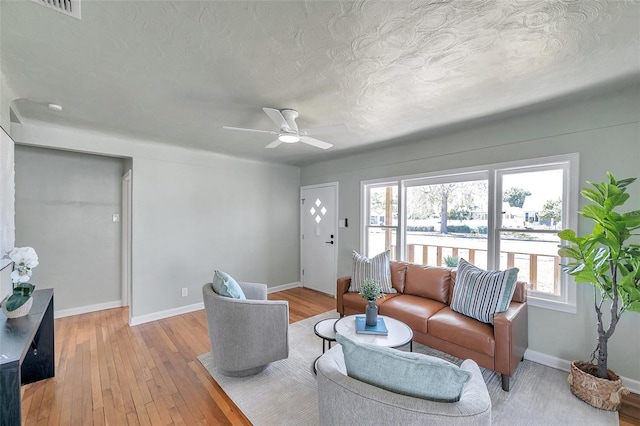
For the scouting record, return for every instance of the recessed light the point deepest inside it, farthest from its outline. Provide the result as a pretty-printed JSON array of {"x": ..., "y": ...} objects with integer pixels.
[{"x": 55, "y": 107}]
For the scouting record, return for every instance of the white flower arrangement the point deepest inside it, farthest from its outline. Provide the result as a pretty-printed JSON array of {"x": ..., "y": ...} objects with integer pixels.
[{"x": 24, "y": 260}]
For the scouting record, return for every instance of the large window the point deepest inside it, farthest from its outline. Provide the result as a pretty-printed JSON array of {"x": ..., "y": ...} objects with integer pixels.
[
  {"x": 446, "y": 219},
  {"x": 496, "y": 217},
  {"x": 382, "y": 218}
]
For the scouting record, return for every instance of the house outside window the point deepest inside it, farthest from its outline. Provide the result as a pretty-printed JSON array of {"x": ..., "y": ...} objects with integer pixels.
[{"x": 498, "y": 216}]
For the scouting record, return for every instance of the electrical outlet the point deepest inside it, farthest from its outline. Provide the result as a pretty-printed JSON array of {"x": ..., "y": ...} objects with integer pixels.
[{"x": 185, "y": 291}]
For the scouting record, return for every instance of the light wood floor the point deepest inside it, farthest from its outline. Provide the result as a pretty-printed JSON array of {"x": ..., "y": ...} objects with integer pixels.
[{"x": 108, "y": 373}]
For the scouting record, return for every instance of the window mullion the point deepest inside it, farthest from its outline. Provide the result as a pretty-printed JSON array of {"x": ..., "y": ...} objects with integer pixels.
[
  {"x": 401, "y": 236},
  {"x": 493, "y": 220}
]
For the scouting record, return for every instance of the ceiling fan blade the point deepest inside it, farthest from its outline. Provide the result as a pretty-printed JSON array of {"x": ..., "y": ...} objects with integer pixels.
[
  {"x": 274, "y": 144},
  {"x": 336, "y": 128},
  {"x": 315, "y": 142},
  {"x": 277, "y": 117},
  {"x": 250, "y": 130}
]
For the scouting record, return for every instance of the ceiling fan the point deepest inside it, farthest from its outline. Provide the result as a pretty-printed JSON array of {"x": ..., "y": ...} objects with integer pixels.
[{"x": 289, "y": 133}]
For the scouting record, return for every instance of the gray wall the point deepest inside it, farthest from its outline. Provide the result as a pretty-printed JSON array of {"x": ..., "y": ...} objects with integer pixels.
[
  {"x": 189, "y": 219},
  {"x": 64, "y": 207},
  {"x": 194, "y": 212},
  {"x": 605, "y": 130}
]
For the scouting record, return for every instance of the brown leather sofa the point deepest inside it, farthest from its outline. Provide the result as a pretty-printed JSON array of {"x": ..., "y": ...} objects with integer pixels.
[{"x": 422, "y": 302}]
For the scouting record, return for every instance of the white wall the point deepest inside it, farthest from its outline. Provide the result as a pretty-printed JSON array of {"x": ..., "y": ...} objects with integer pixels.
[
  {"x": 64, "y": 206},
  {"x": 194, "y": 212},
  {"x": 605, "y": 130},
  {"x": 6, "y": 95}
]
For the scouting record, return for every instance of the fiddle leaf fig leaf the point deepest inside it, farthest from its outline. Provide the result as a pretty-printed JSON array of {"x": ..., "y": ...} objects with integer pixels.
[
  {"x": 594, "y": 212},
  {"x": 592, "y": 195},
  {"x": 570, "y": 252},
  {"x": 634, "y": 306},
  {"x": 632, "y": 219},
  {"x": 567, "y": 235}
]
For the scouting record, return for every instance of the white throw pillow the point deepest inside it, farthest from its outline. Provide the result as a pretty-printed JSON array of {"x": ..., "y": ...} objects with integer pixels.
[{"x": 377, "y": 269}]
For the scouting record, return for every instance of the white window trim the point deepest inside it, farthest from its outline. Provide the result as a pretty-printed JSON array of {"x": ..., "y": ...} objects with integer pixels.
[
  {"x": 567, "y": 301},
  {"x": 365, "y": 214}
]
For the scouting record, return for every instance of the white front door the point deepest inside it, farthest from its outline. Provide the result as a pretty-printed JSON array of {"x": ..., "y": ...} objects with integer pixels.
[{"x": 319, "y": 242}]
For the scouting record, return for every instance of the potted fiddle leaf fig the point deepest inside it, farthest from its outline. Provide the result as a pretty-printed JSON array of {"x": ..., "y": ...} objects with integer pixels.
[{"x": 606, "y": 259}]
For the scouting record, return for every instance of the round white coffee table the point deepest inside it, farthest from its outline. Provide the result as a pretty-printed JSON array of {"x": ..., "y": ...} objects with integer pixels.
[{"x": 399, "y": 333}]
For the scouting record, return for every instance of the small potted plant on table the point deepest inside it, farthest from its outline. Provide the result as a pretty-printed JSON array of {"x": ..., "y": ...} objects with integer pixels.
[{"x": 371, "y": 291}]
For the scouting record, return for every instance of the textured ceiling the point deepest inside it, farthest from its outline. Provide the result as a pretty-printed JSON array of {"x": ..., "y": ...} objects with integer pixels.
[{"x": 176, "y": 72}]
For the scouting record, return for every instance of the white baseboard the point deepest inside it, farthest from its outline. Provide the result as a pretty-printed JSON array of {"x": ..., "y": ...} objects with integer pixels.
[
  {"x": 86, "y": 309},
  {"x": 283, "y": 287},
  {"x": 165, "y": 314},
  {"x": 564, "y": 365},
  {"x": 195, "y": 307}
]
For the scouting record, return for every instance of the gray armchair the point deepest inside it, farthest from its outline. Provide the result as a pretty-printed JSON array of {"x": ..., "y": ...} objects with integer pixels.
[
  {"x": 246, "y": 335},
  {"x": 343, "y": 400}
]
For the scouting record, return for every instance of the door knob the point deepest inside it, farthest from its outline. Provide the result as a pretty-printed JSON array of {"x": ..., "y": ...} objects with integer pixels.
[{"x": 329, "y": 242}]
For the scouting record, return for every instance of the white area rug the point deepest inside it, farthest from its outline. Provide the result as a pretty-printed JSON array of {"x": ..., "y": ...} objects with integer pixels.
[{"x": 286, "y": 392}]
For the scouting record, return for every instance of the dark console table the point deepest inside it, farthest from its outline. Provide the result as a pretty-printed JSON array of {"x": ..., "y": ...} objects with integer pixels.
[{"x": 26, "y": 353}]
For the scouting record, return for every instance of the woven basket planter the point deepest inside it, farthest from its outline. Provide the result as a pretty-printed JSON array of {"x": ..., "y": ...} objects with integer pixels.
[
  {"x": 600, "y": 393},
  {"x": 20, "y": 312}
]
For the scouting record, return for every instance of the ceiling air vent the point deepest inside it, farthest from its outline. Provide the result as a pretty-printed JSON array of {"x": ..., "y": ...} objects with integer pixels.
[{"x": 68, "y": 7}]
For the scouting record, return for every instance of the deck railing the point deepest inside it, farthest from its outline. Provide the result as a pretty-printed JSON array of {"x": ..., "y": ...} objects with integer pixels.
[{"x": 549, "y": 282}]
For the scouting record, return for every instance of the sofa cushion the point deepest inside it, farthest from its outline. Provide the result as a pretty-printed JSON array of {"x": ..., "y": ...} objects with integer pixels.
[
  {"x": 431, "y": 282},
  {"x": 355, "y": 302},
  {"x": 224, "y": 285},
  {"x": 411, "y": 310},
  {"x": 398, "y": 274},
  {"x": 462, "y": 331},
  {"x": 406, "y": 373},
  {"x": 377, "y": 269},
  {"x": 480, "y": 294}
]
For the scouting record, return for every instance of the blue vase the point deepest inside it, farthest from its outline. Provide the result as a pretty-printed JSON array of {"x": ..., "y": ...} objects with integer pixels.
[{"x": 372, "y": 313}]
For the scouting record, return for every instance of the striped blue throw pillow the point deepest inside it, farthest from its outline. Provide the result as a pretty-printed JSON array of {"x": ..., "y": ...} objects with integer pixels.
[
  {"x": 377, "y": 269},
  {"x": 480, "y": 294}
]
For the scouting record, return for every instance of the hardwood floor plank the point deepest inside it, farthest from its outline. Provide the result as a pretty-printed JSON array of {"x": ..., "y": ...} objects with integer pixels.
[
  {"x": 159, "y": 402},
  {"x": 108, "y": 373},
  {"x": 98, "y": 417},
  {"x": 630, "y": 411}
]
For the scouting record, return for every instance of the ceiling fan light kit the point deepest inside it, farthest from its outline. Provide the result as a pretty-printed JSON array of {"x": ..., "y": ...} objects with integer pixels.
[
  {"x": 288, "y": 129},
  {"x": 288, "y": 137}
]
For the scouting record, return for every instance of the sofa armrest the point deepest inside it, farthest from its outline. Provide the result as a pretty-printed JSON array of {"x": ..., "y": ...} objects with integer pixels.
[
  {"x": 341, "y": 288},
  {"x": 520, "y": 293},
  {"x": 511, "y": 332}
]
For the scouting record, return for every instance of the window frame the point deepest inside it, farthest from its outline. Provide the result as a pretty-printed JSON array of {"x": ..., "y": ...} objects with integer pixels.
[
  {"x": 366, "y": 214},
  {"x": 493, "y": 173}
]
